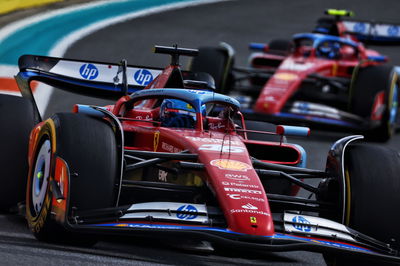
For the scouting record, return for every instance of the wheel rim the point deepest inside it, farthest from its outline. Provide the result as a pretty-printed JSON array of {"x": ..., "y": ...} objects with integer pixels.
[{"x": 40, "y": 177}]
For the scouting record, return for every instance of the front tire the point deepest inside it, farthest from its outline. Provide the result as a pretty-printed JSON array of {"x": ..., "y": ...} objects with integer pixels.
[
  {"x": 88, "y": 147},
  {"x": 373, "y": 195}
]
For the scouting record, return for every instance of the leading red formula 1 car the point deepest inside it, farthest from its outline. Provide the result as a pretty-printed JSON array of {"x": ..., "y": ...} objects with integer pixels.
[
  {"x": 162, "y": 161},
  {"x": 314, "y": 79}
]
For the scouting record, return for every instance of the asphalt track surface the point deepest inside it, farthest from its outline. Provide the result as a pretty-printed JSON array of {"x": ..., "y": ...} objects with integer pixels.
[{"x": 235, "y": 22}]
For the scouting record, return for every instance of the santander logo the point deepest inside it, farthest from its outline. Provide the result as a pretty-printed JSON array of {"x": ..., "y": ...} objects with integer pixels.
[{"x": 249, "y": 206}]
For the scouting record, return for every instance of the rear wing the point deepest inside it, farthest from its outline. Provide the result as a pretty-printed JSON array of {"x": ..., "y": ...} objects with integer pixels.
[
  {"x": 92, "y": 78},
  {"x": 103, "y": 80},
  {"x": 373, "y": 31}
]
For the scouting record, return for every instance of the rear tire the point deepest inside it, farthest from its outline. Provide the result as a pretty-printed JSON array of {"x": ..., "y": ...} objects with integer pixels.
[
  {"x": 369, "y": 82},
  {"x": 88, "y": 146},
  {"x": 280, "y": 46},
  {"x": 17, "y": 121},
  {"x": 372, "y": 177},
  {"x": 214, "y": 61}
]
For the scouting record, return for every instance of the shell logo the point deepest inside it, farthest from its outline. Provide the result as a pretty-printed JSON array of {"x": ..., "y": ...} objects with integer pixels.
[
  {"x": 286, "y": 76},
  {"x": 225, "y": 164}
]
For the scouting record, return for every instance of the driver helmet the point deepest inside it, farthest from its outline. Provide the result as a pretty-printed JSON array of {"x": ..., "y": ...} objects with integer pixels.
[
  {"x": 328, "y": 50},
  {"x": 177, "y": 113}
]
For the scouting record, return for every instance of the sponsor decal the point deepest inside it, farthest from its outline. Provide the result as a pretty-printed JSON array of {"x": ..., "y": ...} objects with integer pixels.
[
  {"x": 156, "y": 140},
  {"x": 359, "y": 27},
  {"x": 211, "y": 140},
  {"x": 393, "y": 30},
  {"x": 162, "y": 175},
  {"x": 249, "y": 206},
  {"x": 187, "y": 216},
  {"x": 302, "y": 224},
  {"x": 242, "y": 190},
  {"x": 147, "y": 117},
  {"x": 197, "y": 92},
  {"x": 270, "y": 98},
  {"x": 253, "y": 220},
  {"x": 238, "y": 184},
  {"x": 289, "y": 64},
  {"x": 221, "y": 148},
  {"x": 251, "y": 211},
  {"x": 239, "y": 196},
  {"x": 169, "y": 147},
  {"x": 89, "y": 71},
  {"x": 286, "y": 76},
  {"x": 216, "y": 126},
  {"x": 143, "y": 77},
  {"x": 237, "y": 177},
  {"x": 233, "y": 165}
]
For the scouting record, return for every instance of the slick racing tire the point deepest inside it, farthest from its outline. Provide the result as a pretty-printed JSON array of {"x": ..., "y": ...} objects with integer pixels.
[
  {"x": 274, "y": 186},
  {"x": 369, "y": 82},
  {"x": 373, "y": 197},
  {"x": 280, "y": 46},
  {"x": 214, "y": 61},
  {"x": 17, "y": 121},
  {"x": 88, "y": 147}
]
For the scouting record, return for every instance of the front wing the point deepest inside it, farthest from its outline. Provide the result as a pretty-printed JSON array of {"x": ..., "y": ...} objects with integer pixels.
[{"x": 280, "y": 241}]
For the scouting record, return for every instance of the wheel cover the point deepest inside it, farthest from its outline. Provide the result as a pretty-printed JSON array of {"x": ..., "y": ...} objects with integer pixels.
[{"x": 40, "y": 177}]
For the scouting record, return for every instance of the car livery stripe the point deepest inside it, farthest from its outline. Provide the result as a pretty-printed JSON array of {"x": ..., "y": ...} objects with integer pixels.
[
  {"x": 317, "y": 119},
  {"x": 277, "y": 236},
  {"x": 51, "y": 33}
]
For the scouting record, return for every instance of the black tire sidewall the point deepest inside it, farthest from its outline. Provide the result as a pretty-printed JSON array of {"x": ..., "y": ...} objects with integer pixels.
[
  {"x": 17, "y": 121},
  {"x": 374, "y": 191},
  {"x": 213, "y": 60},
  {"x": 370, "y": 81}
]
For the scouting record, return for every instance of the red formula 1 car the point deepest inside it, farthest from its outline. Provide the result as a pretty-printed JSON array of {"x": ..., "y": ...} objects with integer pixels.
[
  {"x": 315, "y": 79},
  {"x": 160, "y": 162}
]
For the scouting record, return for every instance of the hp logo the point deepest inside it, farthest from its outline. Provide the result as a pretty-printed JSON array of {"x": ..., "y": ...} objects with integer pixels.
[
  {"x": 89, "y": 71},
  {"x": 143, "y": 77},
  {"x": 393, "y": 30},
  {"x": 302, "y": 224},
  {"x": 359, "y": 27},
  {"x": 187, "y": 216}
]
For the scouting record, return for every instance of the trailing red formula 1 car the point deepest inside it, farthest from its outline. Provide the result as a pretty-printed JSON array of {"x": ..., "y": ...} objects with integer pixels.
[
  {"x": 314, "y": 79},
  {"x": 161, "y": 161}
]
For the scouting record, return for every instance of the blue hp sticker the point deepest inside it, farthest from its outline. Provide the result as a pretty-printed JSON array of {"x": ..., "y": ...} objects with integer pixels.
[
  {"x": 89, "y": 71},
  {"x": 197, "y": 92},
  {"x": 359, "y": 27},
  {"x": 143, "y": 77},
  {"x": 187, "y": 216},
  {"x": 302, "y": 224},
  {"x": 393, "y": 30}
]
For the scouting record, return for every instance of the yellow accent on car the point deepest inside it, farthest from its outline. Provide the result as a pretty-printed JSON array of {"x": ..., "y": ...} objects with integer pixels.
[
  {"x": 7, "y": 6},
  {"x": 339, "y": 12}
]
